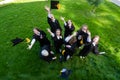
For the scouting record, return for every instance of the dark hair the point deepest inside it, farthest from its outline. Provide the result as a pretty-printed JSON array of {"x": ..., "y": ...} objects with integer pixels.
[
  {"x": 37, "y": 29},
  {"x": 59, "y": 30}
]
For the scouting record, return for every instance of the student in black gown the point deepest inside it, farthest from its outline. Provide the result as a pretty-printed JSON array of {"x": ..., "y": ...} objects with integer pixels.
[
  {"x": 57, "y": 38},
  {"x": 40, "y": 36},
  {"x": 46, "y": 53},
  {"x": 90, "y": 47},
  {"x": 82, "y": 35},
  {"x": 69, "y": 27},
  {"x": 70, "y": 45},
  {"x": 54, "y": 23}
]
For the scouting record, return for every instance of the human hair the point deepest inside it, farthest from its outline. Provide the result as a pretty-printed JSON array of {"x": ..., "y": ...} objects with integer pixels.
[
  {"x": 96, "y": 36},
  {"x": 37, "y": 29},
  {"x": 84, "y": 25},
  {"x": 68, "y": 22},
  {"x": 58, "y": 30},
  {"x": 72, "y": 40}
]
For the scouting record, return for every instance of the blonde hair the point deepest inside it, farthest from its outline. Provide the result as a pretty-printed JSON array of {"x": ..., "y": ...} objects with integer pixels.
[
  {"x": 95, "y": 37},
  {"x": 84, "y": 25}
]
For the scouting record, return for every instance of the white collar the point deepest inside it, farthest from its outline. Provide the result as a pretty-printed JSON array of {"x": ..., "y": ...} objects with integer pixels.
[
  {"x": 53, "y": 20},
  {"x": 93, "y": 44},
  {"x": 59, "y": 37}
]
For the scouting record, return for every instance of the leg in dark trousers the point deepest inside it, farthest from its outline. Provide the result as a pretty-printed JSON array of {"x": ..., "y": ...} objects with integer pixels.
[
  {"x": 84, "y": 52},
  {"x": 57, "y": 48}
]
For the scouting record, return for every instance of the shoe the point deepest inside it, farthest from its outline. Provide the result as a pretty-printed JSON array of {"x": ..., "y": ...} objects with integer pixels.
[
  {"x": 54, "y": 58},
  {"x": 60, "y": 50},
  {"x": 81, "y": 57},
  {"x": 61, "y": 59},
  {"x": 68, "y": 57},
  {"x": 51, "y": 52},
  {"x": 102, "y": 53},
  {"x": 79, "y": 47}
]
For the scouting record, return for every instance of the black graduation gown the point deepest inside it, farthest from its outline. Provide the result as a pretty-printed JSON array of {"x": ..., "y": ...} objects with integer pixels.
[
  {"x": 69, "y": 51},
  {"x": 84, "y": 37},
  {"x": 68, "y": 31},
  {"x": 89, "y": 48},
  {"x": 43, "y": 41},
  {"x": 54, "y": 25},
  {"x": 50, "y": 56},
  {"x": 57, "y": 43}
]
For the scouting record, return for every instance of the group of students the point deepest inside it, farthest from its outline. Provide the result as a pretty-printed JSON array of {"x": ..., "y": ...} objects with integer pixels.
[{"x": 70, "y": 41}]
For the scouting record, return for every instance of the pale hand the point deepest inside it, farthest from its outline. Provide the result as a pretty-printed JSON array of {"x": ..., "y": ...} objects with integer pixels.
[
  {"x": 47, "y": 8},
  {"x": 29, "y": 47},
  {"x": 62, "y": 18},
  {"x": 48, "y": 30},
  {"x": 88, "y": 32},
  {"x": 68, "y": 46},
  {"x": 74, "y": 34}
]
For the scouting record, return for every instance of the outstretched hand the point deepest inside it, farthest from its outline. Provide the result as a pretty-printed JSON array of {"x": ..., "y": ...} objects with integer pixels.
[
  {"x": 47, "y": 8},
  {"x": 48, "y": 30},
  {"x": 74, "y": 34},
  {"x": 62, "y": 18},
  {"x": 29, "y": 47},
  {"x": 88, "y": 32}
]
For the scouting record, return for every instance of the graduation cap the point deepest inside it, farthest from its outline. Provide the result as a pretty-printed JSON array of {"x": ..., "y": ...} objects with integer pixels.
[
  {"x": 16, "y": 41},
  {"x": 65, "y": 73},
  {"x": 55, "y": 4}
]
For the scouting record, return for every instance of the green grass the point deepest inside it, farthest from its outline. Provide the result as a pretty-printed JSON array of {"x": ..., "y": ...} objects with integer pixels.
[{"x": 19, "y": 18}]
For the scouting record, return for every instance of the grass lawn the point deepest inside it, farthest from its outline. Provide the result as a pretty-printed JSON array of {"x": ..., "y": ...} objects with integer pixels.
[{"x": 19, "y": 18}]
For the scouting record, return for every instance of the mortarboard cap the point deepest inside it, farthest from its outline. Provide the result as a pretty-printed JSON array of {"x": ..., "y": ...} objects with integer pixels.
[
  {"x": 16, "y": 41},
  {"x": 65, "y": 73},
  {"x": 55, "y": 4}
]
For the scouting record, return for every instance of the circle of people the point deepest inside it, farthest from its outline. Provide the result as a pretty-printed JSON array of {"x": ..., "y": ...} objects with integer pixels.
[{"x": 81, "y": 38}]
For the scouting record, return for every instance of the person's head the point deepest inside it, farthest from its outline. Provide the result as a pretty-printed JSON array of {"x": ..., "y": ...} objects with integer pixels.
[
  {"x": 58, "y": 32},
  {"x": 44, "y": 52},
  {"x": 36, "y": 31},
  {"x": 69, "y": 22},
  {"x": 84, "y": 28},
  {"x": 52, "y": 17},
  {"x": 96, "y": 39},
  {"x": 72, "y": 40}
]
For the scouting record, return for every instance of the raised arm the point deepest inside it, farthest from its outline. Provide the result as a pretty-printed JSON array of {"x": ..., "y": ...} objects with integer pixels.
[
  {"x": 31, "y": 44},
  {"x": 96, "y": 51},
  {"x": 89, "y": 36},
  {"x": 52, "y": 34},
  {"x": 47, "y": 9},
  {"x": 69, "y": 37},
  {"x": 63, "y": 19}
]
